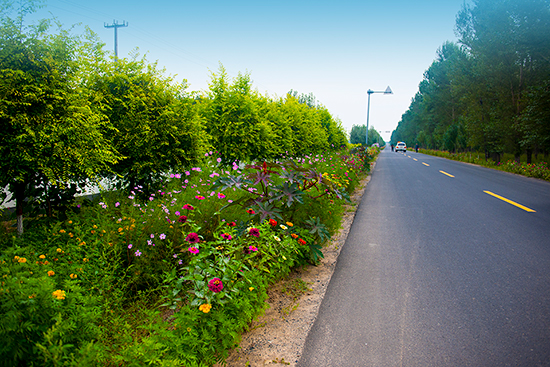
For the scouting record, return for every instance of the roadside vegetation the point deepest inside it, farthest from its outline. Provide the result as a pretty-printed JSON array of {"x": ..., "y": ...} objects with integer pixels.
[
  {"x": 488, "y": 92},
  {"x": 211, "y": 197}
]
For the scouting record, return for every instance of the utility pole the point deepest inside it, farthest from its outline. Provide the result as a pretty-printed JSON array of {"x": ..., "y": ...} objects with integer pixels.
[{"x": 115, "y": 25}]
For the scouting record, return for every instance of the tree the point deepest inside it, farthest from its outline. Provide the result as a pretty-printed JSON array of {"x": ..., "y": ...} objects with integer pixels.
[
  {"x": 358, "y": 134},
  {"x": 49, "y": 131},
  {"x": 153, "y": 122}
]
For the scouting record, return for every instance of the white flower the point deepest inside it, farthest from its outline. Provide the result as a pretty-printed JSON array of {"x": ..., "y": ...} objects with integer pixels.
[{"x": 277, "y": 239}]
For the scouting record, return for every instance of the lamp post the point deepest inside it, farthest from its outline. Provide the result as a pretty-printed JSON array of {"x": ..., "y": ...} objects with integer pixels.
[{"x": 369, "y": 92}]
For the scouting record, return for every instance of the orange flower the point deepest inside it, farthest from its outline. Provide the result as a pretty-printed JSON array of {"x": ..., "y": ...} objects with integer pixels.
[
  {"x": 205, "y": 307},
  {"x": 51, "y": 272},
  {"x": 73, "y": 276},
  {"x": 294, "y": 235}
]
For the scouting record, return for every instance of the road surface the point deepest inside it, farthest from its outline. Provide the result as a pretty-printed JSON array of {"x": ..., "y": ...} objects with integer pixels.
[{"x": 446, "y": 264}]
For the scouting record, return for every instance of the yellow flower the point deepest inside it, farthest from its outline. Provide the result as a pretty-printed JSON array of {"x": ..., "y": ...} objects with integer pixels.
[
  {"x": 70, "y": 222},
  {"x": 120, "y": 229},
  {"x": 51, "y": 272},
  {"x": 85, "y": 260},
  {"x": 251, "y": 289},
  {"x": 188, "y": 329},
  {"x": 61, "y": 231},
  {"x": 32, "y": 296},
  {"x": 289, "y": 224},
  {"x": 71, "y": 235},
  {"x": 59, "y": 294},
  {"x": 22, "y": 260},
  {"x": 94, "y": 226},
  {"x": 59, "y": 250},
  {"x": 82, "y": 243},
  {"x": 284, "y": 257},
  {"x": 73, "y": 276},
  {"x": 42, "y": 256},
  {"x": 205, "y": 307}
]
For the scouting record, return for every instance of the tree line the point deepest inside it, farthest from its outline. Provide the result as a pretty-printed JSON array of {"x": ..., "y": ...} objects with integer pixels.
[
  {"x": 71, "y": 113},
  {"x": 490, "y": 91}
]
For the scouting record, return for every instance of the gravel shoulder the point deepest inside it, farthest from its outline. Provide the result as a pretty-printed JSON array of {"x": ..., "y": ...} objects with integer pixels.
[{"x": 278, "y": 336}]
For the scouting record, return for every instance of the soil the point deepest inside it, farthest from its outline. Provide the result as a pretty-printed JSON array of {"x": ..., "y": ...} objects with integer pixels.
[{"x": 278, "y": 336}]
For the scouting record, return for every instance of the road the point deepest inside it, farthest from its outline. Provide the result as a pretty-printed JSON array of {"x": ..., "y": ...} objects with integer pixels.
[{"x": 438, "y": 271}]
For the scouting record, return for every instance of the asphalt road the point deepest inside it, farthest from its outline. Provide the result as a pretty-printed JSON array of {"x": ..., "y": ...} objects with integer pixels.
[{"x": 437, "y": 272}]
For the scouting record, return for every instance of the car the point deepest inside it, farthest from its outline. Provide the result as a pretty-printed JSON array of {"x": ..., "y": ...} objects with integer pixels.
[{"x": 401, "y": 147}]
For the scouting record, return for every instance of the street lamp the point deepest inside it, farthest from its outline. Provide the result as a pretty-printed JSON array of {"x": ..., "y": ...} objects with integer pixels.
[{"x": 369, "y": 92}]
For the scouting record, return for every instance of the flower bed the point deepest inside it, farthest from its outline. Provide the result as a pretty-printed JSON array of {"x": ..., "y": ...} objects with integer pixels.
[{"x": 171, "y": 277}]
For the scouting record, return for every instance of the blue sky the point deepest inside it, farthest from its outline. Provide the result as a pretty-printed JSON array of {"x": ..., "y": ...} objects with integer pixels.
[{"x": 336, "y": 50}]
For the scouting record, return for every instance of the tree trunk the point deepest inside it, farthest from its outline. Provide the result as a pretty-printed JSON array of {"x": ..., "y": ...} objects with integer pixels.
[
  {"x": 19, "y": 203},
  {"x": 529, "y": 155}
]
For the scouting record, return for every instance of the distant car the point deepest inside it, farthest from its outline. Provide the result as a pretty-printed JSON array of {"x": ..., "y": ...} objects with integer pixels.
[{"x": 401, "y": 147}]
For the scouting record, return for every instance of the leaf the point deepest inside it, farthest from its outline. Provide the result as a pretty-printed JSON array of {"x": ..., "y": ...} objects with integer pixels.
[
  {"x": 289, "y": 193},
  {"x": 317, "y": 227}
]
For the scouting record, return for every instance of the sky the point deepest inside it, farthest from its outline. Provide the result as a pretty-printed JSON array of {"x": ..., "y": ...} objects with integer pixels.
[{"x": 336, "y": 50}]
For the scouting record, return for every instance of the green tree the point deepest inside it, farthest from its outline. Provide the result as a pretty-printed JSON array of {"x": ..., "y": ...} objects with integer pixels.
[
  {"x": 358, "y": 134},
  {"x": 154, "y": 124},
  {"x": 49, "y": 132}
]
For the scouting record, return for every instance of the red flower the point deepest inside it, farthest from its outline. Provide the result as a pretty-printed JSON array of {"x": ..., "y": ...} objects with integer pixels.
[
  {"x": 254, "y": 232},
  {"x": 301, "y": 241},
  {"x": 250, "y": 211},
  {"x": 231, "y": 224},
  {"x": 182, "y": 219},
  {"x": 273, "y": 222},
  {"x": 215, "y": 285},
  {"x": 192, "y": 238}
]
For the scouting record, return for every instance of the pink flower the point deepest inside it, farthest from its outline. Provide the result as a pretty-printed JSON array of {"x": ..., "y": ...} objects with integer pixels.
[
  {"x": 188, "y": 207},
  {"x": 193, "y": 250},
  {"x": 253, "y": 248},
  {"x": 254, "y": 232},
  {"x": 199, "y": 197},
  {"x": 215, "y": 285},
  {"x": 182, "y": 219},
  {"x": 226, "y": 236},
  {"x": 192, "y": 238},
  {"x": 221, "y": 196}
]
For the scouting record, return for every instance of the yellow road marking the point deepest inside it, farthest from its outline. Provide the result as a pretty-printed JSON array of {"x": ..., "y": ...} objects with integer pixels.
[
  {"x": 426, "y": 164},
  {"x": 510, "y": 202},
  {"x": 415, "y": 159},
  {"x": 448, "y": 174}
]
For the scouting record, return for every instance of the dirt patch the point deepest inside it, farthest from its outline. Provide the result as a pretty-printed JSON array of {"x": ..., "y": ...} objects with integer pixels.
[{"x": 278, "y": 337}]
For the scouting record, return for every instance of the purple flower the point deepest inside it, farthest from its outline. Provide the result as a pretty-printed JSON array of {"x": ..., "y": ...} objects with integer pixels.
[
  {"x": 192, "y": 238},
  {"x": 215, "y": 285},
  {"x": 138, "y": 253},
  {"x": 182, "y": 219},
  {"x": 253, "y": 248},
  {"x": 221, "y": 196},
  {"x": 177, "y": 214},
  {"x": 162, "y": 236},
  {"x": 193, "y": 250},
  {"x": 130, "y": 246},
  {"x": 175, "y": 256},
  {"x": 117, "y": 204},
  {"x": 152, "y": 235}
]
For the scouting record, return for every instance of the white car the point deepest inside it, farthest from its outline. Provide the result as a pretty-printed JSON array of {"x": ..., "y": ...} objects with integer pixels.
[{"x": 401, "y": 147}]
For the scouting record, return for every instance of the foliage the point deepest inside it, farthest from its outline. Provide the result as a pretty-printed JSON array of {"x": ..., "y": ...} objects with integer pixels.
[
  {"x": 173, "y": 278},
  {"x": 486, "y": 93},
  {"x": 49, "y": 130}
]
